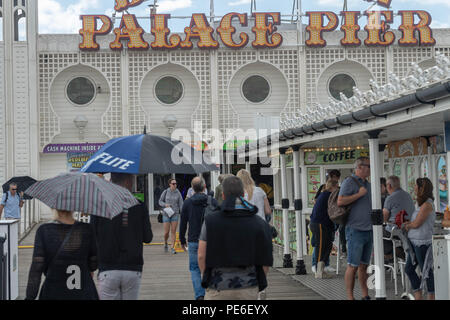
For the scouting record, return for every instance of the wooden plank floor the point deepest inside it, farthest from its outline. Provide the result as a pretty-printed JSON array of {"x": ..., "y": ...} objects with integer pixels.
[{"x": 166, "y": 276}]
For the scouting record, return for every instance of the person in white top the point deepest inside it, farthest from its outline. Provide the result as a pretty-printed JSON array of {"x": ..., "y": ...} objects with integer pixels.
[{"x": 255, "y": 195}]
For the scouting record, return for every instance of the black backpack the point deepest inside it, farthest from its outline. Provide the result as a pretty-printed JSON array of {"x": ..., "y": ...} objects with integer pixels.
[{"x": 6, "y": 199}]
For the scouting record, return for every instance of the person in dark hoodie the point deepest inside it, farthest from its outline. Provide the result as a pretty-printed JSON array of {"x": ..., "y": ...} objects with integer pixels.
[
  {"x": 192, "y": 213},
  {"x": 234, "y": 246},
  {"x": 120, "y": 248}
]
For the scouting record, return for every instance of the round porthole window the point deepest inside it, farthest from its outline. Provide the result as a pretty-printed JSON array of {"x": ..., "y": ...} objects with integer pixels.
[
  {"x": 80, "y": 91},
  {"x": 169, "y": 90},
  {"x": 256, "y": 89},
  {"x": 341, "y": 83}
]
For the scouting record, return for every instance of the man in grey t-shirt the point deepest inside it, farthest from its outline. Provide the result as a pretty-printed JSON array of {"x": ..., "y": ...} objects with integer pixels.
[
  {"x": 355, "y": 190},
  {"x": 397, "y": 201}
]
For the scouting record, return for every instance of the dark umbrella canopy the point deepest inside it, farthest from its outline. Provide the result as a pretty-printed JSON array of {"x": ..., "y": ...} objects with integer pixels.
[
  {"x": 83, "y": 192},
  {"x": 147, "y": 153},
  {"x": 23, "y": 183}
]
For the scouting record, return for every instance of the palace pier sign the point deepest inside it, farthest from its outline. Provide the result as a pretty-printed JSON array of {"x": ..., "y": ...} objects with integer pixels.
[{"x": 264, "y": 30}]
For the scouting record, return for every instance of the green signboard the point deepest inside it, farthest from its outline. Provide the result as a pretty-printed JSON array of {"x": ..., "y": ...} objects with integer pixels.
[{"x": 334, "y": 157}]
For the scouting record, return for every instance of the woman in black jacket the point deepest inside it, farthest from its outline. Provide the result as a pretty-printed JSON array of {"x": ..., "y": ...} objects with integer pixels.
[{"x": 65, "y": 252}]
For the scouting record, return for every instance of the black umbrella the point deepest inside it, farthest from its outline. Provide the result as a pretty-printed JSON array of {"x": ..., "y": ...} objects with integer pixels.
[
  {"x": 148, "y": 153},
  {"x": 23, "y": 183}
]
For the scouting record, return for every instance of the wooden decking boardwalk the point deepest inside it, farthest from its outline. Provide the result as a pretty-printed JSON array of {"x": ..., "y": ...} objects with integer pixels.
[{"x": 166, "y": 276}]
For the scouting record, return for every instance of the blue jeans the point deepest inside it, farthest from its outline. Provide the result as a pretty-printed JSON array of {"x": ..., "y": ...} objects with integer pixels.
[
  {"x": 410, "y": 269},
  {"x": 195, "y": 270},
  {"x": 359, "y": 246}
]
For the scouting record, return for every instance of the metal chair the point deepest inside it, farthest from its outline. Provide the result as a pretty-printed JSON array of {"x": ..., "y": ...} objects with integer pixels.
[{"x": 394, "y": 267}]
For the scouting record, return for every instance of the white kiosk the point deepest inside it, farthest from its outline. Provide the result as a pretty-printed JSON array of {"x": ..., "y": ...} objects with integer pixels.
[{"x": 9, "y": 264}]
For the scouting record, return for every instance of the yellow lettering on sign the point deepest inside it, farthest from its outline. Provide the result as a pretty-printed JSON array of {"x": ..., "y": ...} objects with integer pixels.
[
  {"x": 408, "y": 28},
  {"x": 89, "y": 31},
  {"x": 350, "y": 28},
  {"x": 377, "y": 30},
  {"x": 161, "y": 31},
  {"x": 226, "y": 30},
  {"x": 200, "y": 29},
  {"x": 316, "y": 27},
  {"x": 384, "y": 3},
  {"x": 122, "y": 5},
  {"x": 263, "y": 30},
  {"x": 131, "y": 31}
]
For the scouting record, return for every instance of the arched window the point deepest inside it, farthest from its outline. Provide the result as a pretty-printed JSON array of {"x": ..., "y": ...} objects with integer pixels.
[{"x": 20, "y": 25}]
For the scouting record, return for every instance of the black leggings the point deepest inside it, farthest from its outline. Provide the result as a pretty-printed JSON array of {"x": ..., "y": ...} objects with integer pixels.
[{"x": 322, "y": 240}]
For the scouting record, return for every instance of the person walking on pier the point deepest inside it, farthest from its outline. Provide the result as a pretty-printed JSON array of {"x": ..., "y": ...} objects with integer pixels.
[
  {"x": 172, "y": 202},
  {"x": 322, "y": 229},
  {"x": 62, "y": 247},
  {"x": 234, "y": 247},
  {"x": 355, "y": 191},
  {"x": 11, "y": 203},
  {"x": 120, "y": 247},
  {"x": 192, "y": 214}
]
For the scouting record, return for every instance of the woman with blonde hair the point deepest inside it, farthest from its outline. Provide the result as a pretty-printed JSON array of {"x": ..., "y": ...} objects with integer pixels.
[
  {"x": 66, "y": 253},
  {"x": 254, "y": 195}
]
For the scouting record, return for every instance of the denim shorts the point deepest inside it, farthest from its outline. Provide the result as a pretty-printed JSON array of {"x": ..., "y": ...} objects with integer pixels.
[
  {"x": 359, "y": 246},
  {"x": 173, "y": 218}
]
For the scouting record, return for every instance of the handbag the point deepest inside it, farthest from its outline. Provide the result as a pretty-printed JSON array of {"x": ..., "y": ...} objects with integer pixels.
[{"x": 160, "y": 217}]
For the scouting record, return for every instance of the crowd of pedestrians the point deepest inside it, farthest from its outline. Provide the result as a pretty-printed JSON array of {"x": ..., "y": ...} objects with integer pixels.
[
  {"x": 229, "y": 244},
  {"x": 229, "y": 238},
  {"x": 402, "y": 221}
]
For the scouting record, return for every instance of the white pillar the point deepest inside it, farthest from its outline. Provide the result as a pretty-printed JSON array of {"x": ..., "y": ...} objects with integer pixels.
[
  {"x": 431, "y": 163},
  {"x": 287, "y": 260},
  {"x": 380, "y": 282},
  {"x": 248, "y": 166},
  {"x": 124, "y": 75},
  {"x": 300, "y": 267},
  {"x": 8, "y": 104},
  {"x": 151, "y": 200},
  {"x": 304, "y": 196},
  {"x": 404, "y": 174}
]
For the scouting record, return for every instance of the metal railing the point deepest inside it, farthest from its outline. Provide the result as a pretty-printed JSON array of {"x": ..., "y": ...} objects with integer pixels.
[{"x": 30, "y": 216}]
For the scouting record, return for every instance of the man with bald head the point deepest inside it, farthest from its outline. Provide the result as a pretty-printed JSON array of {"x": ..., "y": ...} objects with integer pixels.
[{"x": 192, "y": 213}]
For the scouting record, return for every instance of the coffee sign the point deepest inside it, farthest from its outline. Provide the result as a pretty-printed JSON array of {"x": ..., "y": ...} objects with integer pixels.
[{"x": 264, "y": 29}]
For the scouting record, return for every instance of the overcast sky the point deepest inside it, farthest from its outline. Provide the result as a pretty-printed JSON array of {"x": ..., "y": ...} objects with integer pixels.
[{"x": 62, "y": 16}]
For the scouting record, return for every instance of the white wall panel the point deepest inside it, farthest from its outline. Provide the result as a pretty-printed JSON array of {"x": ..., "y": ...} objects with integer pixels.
[
  {"x": 67, "y": 111},
  {"x": 2, "y": 115},
  {"x": 51, "y": 166},
  {"x": 183, "y": 109},
  {"x": 272, "y": 106},
  {"x": 21, "y": 111}
]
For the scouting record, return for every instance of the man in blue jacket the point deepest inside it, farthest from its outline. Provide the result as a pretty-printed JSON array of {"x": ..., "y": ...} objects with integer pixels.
[{"x": 192, "y": 213}]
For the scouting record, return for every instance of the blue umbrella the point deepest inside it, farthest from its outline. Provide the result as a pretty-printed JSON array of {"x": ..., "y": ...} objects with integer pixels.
[{"x": 147, "y": 153}]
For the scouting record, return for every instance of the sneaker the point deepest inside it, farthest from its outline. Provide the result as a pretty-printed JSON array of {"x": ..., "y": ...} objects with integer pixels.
[
  {"x": 365, "y": 298},
  {"x": 313, "y": 269},
  {"x": 166, "y": 247},
  {"x": 329, "y": 269},
  {"x": 262, "y": 295},
  {"x": 173, "y": 251},
  {"x": 200, "y": 298}
]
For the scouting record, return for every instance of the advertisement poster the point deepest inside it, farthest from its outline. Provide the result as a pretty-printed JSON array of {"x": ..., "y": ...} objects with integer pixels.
[
  {"x": 75, "y": 161},
  {"x": 443, "y": 186},
  {"x": 313, "y": 184}
]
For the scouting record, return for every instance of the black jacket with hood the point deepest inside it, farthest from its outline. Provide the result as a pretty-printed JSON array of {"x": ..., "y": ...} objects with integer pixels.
[
  {"x": 192, "y": 212},
  {"x": 237, "y": 238}
]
